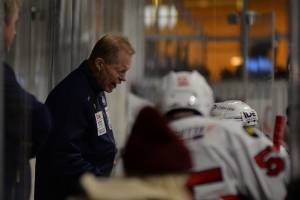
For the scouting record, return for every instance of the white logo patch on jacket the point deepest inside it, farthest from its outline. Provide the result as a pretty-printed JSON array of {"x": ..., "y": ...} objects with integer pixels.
[{"x": 100, "y": 123}]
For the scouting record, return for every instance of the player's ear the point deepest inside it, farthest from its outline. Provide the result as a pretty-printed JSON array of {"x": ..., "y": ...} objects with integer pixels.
[{"x": 99, "y": 62}]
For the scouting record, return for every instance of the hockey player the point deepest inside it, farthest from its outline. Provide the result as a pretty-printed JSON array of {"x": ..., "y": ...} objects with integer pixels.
[
  {"x": 241, "y": 112},
  {"x": 228, "y": 161},
  {"x": 237, "y": 111}
]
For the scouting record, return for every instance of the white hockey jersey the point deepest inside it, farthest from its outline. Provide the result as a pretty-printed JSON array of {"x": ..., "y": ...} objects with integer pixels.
[{"x": 229, "y": 161}]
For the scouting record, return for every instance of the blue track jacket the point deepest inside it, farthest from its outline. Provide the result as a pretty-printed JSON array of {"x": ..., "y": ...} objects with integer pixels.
[{"x": 82, "y": 138}]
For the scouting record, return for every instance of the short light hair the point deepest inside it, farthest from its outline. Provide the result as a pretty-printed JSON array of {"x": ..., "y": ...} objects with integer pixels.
[
  {"x": 109, "y": 46},
  {"x": 10, "y": 9}
]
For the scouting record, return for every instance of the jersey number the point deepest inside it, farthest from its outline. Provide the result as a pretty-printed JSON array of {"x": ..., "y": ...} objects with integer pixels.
[{"x": 274, "y": 165}]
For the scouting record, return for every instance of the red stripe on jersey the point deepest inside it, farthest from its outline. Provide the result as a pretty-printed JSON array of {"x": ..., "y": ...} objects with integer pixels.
[
  {"x": 203, "y": 177},
  {"x": 229, "y": 197}
]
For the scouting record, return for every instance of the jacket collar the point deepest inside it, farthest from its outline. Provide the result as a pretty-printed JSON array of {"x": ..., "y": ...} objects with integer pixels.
[{"x": 85, "y": 68}]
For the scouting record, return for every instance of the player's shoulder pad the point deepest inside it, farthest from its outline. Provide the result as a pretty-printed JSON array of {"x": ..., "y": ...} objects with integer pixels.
[{"x": 251, "y": 131}]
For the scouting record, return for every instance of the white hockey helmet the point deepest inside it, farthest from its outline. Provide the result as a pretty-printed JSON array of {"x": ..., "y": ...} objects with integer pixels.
[
  {"x": 235, "y": 110},
  {"x": 185, "y": 90}
]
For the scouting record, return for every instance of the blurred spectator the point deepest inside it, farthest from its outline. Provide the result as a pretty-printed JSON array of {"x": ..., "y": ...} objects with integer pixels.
[
  {"x": 280, "y": 74},
  {"x": 258, "y": 63},
  {"x": 27, "y": 122},
  {"x": 156, "y": 164},
  {"x": 227, "y": 75}
]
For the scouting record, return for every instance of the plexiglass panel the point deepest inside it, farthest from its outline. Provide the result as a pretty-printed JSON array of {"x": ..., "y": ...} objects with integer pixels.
[
  {"x": 1, "y": 107},
  {"x": 55, "y": 36}
]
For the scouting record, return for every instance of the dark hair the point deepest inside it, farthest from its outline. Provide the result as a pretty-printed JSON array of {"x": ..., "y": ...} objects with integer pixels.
[{"x": 108, "y": 47}]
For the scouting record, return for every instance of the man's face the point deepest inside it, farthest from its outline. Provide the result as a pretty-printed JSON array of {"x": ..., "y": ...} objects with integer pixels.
[
  {"x": 10, "y": 30},
  {"x": 113, "y": 74}
]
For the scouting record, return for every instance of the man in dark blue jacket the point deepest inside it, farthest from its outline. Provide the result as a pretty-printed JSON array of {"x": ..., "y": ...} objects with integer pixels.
[
  {"x": 82, "y": 139},
  {"x": 26, "y": 121}
]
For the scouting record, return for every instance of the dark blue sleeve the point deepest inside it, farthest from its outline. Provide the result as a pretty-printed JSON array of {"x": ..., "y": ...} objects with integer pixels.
[{"x": 26, "y": 119}]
